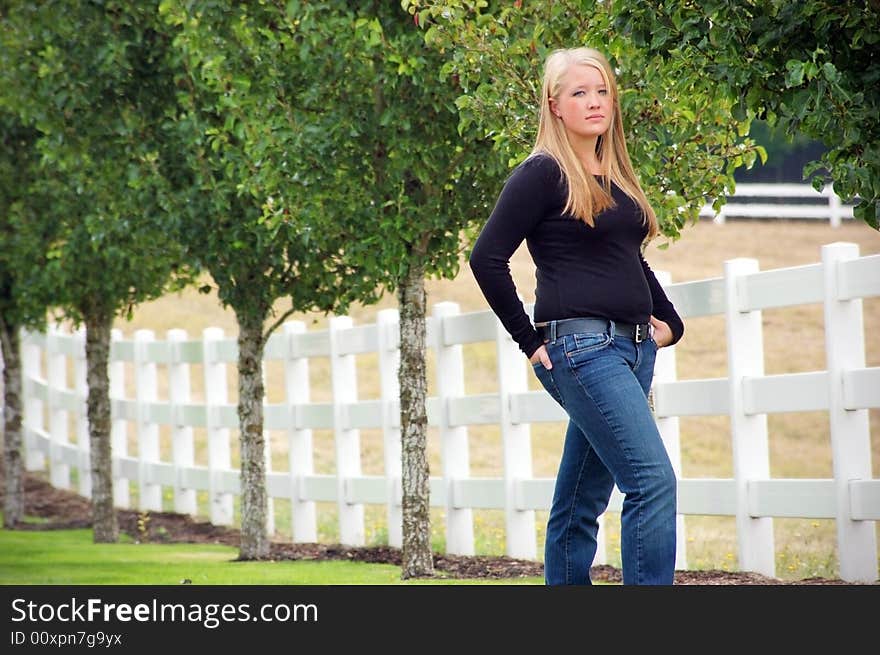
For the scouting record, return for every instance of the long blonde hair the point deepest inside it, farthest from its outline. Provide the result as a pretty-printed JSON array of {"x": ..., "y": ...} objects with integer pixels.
[{"x": 586, "y": 197}]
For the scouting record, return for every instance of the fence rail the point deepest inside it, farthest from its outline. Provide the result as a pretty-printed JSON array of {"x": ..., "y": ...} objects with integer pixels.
[
  {"x": 825, "y": 204},
  {"x": 845, "y": 390}
]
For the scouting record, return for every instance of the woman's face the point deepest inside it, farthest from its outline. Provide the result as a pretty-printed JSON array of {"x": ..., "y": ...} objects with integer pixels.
[{"x": 584, "y": 103}]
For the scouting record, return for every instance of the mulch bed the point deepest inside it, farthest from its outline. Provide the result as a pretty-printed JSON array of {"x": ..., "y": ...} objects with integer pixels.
[{"x": 66, "y": 509}]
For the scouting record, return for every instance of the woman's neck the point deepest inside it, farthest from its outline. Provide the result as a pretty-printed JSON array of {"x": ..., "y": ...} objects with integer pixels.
[{"x": 585, "y": 149}]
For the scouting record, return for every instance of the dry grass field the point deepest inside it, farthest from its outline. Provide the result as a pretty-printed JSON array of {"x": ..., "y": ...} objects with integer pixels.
[{"x": 793, "y": 341}]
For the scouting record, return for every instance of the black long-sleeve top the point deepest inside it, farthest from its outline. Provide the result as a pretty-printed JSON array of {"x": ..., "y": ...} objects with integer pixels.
[{"x": 581, "y": 271}]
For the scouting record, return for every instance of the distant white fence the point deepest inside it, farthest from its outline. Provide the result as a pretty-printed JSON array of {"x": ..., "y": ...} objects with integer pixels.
[
  {"x": 845, "y": 390},
  {"x": 825, "y": 204}
]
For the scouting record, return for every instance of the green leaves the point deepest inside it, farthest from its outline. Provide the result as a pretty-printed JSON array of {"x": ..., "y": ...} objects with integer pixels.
[
  {"x": 685, "y": 137},
  {"x": 809, "y": 66},
  {"x": 93, "y": 87},
  {"x": 26, "y": 229},
  {"x": 412, "y": 178},
  {"x": 267, "y": 172}
]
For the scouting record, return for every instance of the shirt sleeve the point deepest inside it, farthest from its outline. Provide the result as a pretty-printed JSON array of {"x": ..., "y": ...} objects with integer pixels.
[
  {"x": 523, "y": 202},
  {"x": 663, "y": 307}
]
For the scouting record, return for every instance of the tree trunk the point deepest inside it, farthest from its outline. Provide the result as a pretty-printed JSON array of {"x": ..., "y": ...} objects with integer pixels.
[
  {"x": 13, "y": 467},
  {"x": 417, "y": 558},
  {"x": 254, "y": 539},
  {"x": 105, "y": 525}
]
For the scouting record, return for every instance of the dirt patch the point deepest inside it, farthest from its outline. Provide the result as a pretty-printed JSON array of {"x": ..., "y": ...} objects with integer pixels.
[{"x": 65, "y": 509}]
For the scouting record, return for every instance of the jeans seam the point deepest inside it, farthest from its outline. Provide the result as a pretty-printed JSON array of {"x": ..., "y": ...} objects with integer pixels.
[
  {"x": 571, "y": 509},
  {"x": 638, "y": 571},
  {"x": 556, "y": 389}
]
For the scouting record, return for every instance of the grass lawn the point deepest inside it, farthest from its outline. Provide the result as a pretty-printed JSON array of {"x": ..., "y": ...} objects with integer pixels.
[{"x": 69, "y": 557}]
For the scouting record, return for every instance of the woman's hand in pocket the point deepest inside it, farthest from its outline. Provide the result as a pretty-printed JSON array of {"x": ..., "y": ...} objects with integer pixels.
[
  {"x": 540, "y": 355},
  {"x": 662, "y": 332}
]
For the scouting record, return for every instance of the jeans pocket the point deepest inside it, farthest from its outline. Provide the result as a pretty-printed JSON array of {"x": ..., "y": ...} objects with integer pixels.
[
  {"x": 580, "y": 347},
  {"x": 545, "y": 377}
]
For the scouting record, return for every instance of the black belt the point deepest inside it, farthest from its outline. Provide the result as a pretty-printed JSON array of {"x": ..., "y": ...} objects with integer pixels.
[{"x": 553, "y": 329}]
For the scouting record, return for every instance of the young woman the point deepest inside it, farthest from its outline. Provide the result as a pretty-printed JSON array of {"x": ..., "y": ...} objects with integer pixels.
[{"x": 599, "y": 317}]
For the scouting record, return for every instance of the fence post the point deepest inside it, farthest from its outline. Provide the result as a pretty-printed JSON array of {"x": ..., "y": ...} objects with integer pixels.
[
  {"x": 516, "y": 445},
  {"x": 388, "y": 329},
  {"x": 601, "y": 556},
  {"x": 850, "y": 429},
  {"x": 219, "y": 451},
  {"x": 146, "y": 386},
  {"x": 56, "y": 380},
  {"x": 665, "y": 371},
  {"x": 299, "y": 439},
  {"x": 343, "y": 377},
  {"x": 834, "y": 206},
  {"x": 182, "y": 446},
  {"x": 84, "y": 472},
  {"x": 751, "y": 459},
  {"x": 119, "y": 425},
  {"x": 33, "y": 406},
  {"x": 453, "y": 439}
]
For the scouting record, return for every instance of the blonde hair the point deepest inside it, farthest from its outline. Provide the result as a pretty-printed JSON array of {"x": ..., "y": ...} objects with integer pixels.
[{"x": 586, "y": 197}]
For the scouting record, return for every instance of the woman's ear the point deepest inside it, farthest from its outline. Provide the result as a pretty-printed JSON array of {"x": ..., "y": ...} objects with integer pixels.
[{"x": 553, "y": 108}]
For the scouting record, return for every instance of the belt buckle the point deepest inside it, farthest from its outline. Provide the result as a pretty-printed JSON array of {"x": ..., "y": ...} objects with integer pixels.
[{"x": 640, "y": 335}]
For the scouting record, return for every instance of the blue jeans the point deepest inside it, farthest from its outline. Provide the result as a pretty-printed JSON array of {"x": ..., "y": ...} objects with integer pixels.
[{"x": 602, "y": 382}]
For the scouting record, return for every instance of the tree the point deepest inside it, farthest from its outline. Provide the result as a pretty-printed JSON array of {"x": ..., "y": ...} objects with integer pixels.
[
  {"x": 685, "y": 141},
  {"x": 415, "y": 184},
  {"x": 258, "y": 167},
  {"x": 24, "y": 234},
  {"x": 93, "y": 86},
  {"x": 809, "y": 67}
]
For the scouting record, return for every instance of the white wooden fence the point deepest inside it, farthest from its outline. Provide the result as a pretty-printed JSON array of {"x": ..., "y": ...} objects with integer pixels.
[
  {"x": 845, "y": 390},
  {"x": 825, "y": 204}
]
